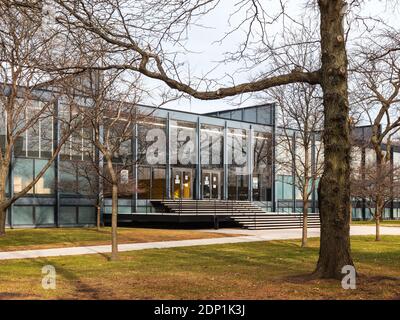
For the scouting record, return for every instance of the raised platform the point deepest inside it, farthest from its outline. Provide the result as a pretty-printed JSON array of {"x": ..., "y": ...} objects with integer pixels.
[{"x": 244, "y": 214}]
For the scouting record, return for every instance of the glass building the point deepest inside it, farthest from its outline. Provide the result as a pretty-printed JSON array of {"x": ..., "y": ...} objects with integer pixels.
[{"x": 227, "y": 155}]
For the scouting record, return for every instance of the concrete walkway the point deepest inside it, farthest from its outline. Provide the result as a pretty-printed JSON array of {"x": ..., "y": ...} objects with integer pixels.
[{"x": 247, "y": 236}]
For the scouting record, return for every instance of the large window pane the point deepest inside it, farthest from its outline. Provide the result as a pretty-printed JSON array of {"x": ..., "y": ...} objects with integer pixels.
[
  {"x": 33, "y": 140},
  {"x": 67, "y": 215},
  {"x": 22, "y": 215},
  {"x": 264, "y": 115},
  {"x": 68, "y": 179},
  {"x": 236, "y": 114},
  {"x": 284, "y": 188},
  {"x": 44, "y": 215},
  {"x": 211, "y": 146},
  {"x": 232, "y": 185},
  {"x": 262, "y": 172},
  {"x": 87, "y": 215},
  {"x": 144, "y": 182},
  {"x": 243, "y": 187},
  {"x": 250, "y": 115},
  {"x": 158, "y": 184},
  {"x": 46, "y": 136},
  {"x": 23, "y": 174},
  {"x": 152, "y": 142},
  {"x": 45, "y": 185},
  {"x": 183, "y": 143}
]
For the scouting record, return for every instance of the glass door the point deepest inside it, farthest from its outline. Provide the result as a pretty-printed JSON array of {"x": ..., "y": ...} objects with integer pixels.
[
  {"x": 182, "y": 184},
  {"x": 211, "y": 183}
]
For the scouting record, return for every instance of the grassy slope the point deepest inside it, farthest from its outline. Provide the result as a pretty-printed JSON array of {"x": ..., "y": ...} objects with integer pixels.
[
  {"x": 261, "y": 270},
  {"x": 67, "y": 237}
]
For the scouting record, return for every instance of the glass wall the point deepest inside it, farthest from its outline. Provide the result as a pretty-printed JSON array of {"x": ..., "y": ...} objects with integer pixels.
[
  {"x": 212, "y": 161},
  {"x": 151, "y": 156},
  {"x": 262, "y": 169},
  {"x": 183, "y": 158},
  {"x": 77, "y": 215},
  {"x": 144, "y": 182},
  {"x": 37, "y": 141},
  {"x": 33, "y": 215},
  {"x": 238, "y": 187},
  {"x": 259, "y": 114},
  {"x": 24, "y": 172}
]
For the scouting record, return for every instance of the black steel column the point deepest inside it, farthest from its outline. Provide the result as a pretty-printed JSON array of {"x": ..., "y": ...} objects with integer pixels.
[
  {"x": 168, "y": 165},
  {"x": 391, "y": 178},
  {"x": 294, "y": 172},
  {"x": 56, "y": 141},
  {"x": 273, "y": 185},
  {"x": 363, "y": 156},
  {"x": 226, "y": 160},
  {"x": 250, "y": 163},
  {"x": 313, "y": 170},
  {"x": 198, "y": 159},
  {"x": 135, "y": 165},
  {"x": 11, "y": 188}
]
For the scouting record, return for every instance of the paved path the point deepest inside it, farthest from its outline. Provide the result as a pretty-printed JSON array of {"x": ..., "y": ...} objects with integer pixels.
[{"x": 247, "y": 236}]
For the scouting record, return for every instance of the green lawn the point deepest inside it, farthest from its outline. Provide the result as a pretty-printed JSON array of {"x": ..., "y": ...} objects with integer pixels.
[
  {"x": 261, "y": 270},
  {"x": 19, "y": 239},
  {"x": 386, "y": 223}
]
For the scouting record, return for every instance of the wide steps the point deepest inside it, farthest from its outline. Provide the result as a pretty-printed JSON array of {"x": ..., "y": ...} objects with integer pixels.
[
  {"x": 284, "y": 221},
  {"x": 244, "y": 213}
]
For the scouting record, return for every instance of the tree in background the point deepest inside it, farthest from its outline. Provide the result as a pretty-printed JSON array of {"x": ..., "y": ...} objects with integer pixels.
[
  {"x": 377, "y": 94},
  {"x": 111, "y": 116},
  {"x": 300, "y": 116},
  {"x": 370, "y": 183},
  {"x": 29, "y": 91}
]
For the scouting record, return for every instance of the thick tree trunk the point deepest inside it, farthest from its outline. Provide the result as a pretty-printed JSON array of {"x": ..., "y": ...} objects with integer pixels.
[
  {"x": 334, "y": 187},
  {"x": 305, "y": 223},
  {"x": 3, "y": 213}
]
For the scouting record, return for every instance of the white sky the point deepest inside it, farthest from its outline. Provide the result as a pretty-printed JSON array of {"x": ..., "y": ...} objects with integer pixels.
[{"x": 205, "y": 52}]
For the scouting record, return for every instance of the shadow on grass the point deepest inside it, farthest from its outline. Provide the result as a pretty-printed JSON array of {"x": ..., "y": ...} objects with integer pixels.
[{"x": 81, "y": 287}]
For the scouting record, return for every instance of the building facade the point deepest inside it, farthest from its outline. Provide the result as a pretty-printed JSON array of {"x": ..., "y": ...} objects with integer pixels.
[{"x": 228, "y": 155}]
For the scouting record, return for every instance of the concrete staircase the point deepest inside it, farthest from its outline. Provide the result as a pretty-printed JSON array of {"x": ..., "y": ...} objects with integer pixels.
[
  {"x": 244, "y": 213},
  {"x": 211, "y": 207},
  {"x": 276, "y": 221}
]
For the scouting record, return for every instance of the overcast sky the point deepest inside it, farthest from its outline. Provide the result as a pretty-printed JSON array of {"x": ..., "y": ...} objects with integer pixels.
[{"x": 205, "y": 51}]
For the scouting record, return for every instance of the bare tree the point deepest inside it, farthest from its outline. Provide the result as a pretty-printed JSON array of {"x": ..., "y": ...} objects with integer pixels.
[
  {"x": 371, "y": 184},
  {"x": 27, "y": 101},
  {"x": 90, "y": 180},
  {"x": 378, "y": 96},
  {"x": 141, "y": 44},
  {"x": 111, "y": 116},
  {"x": 300, "y": 119},
  {"x": 300, "y": 107}
]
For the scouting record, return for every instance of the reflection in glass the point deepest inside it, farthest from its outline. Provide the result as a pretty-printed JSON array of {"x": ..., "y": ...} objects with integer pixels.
[
  {"x": 262, "y": 172},
  {"x": 158, "y": 184},
  {"x": 182, "y": 143},
  {"x": 23, "y": 174},
  {"x": 211, "y": 146},
  {"x": 144, "y": 183},
  {"x": 45, "y": 185}
]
